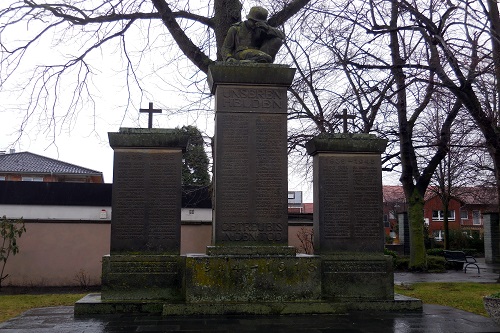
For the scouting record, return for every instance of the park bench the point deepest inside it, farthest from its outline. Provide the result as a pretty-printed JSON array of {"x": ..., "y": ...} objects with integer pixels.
[{"x": 461, "y": 258}]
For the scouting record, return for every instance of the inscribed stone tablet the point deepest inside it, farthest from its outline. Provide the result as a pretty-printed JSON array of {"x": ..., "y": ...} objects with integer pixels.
[
  {"x": 251, "y": 179},
  {"x": 146, "y": 200},
  {"x": 348, "y": 192},
  {"x": 259, "y": 99}
]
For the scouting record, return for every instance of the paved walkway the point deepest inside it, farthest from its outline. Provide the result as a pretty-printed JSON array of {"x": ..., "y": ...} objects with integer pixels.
[
  {"x": 487, "y": 274},
  {"x": 433, "y": 318}
]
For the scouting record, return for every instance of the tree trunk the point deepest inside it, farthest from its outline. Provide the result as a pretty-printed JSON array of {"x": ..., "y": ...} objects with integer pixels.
[
  {"x": 494, "y": 17},
  {"x": 415, "y": 199},
  {"x": 226, "y": 13},
  {"x": 495, "y": 44}
]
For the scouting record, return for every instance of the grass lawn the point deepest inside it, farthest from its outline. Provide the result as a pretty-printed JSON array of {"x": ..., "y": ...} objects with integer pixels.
[
  {"x": 13, "y": 305},
  {"x": 461, "y": 295}
]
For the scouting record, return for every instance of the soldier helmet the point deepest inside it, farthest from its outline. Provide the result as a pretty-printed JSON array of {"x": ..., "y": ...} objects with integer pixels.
[{"x": 257, "y": 14}]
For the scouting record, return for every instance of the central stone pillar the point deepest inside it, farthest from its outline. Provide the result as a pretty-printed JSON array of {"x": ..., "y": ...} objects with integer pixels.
[
  {"x": 250, "y": 261},
  {"x": 250, "y": 179}
]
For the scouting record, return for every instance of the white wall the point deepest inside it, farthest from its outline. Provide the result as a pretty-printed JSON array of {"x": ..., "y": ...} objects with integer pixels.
[{"x": 39, "y": 212}]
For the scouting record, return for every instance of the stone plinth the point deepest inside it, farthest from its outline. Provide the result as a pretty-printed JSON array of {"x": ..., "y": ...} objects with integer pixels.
[
  {"x": 142, "y": 277},
  {"x": 252, "y": 278},
  {"x": 354, "y": 276},
  {"x": 250, "y": 179},
  {"x": 347, "y": 193},
  {"x": 491, "y": 238},
  {"x": 146, "y": 190}
]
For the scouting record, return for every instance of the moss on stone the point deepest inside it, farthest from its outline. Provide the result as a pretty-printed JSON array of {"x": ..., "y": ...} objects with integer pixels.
[
  {"x": 348, "y": 142},
  {"x": 148, "y": 138},
  {"x": 248, "y": 74}
]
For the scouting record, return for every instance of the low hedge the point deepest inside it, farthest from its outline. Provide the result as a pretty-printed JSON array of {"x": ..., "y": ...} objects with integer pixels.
[{"x": 435, "y": 264}]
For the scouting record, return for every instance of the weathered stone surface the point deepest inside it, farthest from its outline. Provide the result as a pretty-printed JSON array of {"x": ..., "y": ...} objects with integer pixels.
[
  {"x": 356, "y": 276},
  {"x": 348, "y": 143},
  {"x": 93, "y": 304},
  {"x": 142, "y": 277},
  {"x": 250, "y": 155},
  {"x": 348, "y": 202},
  {"x": 229, "y": 279},
  {"x": 251, "y": 99},
  {"x": 249, "y": 74},
  {"x": 251, "y": 250},
  {"x": 491, "y": 238},
  {"x": 148, "y": 138},
  {"x": 399, "y": 303},
  {"x": 146, "y": 191}
]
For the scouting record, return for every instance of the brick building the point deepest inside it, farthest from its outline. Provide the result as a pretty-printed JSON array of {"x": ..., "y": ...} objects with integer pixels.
[{"x": 465, "y": 210}]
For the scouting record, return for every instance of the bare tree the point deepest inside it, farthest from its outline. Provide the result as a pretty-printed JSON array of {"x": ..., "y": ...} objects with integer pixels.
[
  {"x": 140, "y": 37},
  {"x": 461, "y": 42},
  {"x": 456, "y": 173},
  {"x": 326, "y": 49}
]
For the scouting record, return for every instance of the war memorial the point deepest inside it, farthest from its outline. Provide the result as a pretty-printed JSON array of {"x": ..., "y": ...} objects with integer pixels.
[{"x": 249, "y": 268}]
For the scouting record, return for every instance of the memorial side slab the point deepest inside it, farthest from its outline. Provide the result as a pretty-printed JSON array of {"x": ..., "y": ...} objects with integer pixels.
[
  {"x": 146, "y": 191},
  {"x": 347, "y": 193}
]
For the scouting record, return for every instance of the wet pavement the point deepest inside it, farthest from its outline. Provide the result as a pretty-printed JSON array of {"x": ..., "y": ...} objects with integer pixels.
[
  {"x": 432, "y": 318},
  {"x": 487, "y": 274}
]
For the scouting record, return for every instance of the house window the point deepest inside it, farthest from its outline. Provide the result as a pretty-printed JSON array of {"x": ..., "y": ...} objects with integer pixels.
[
  {"x": 438, "y": 215},
  {"x": 386, "y": 221},
  {"x": 476, "y": 217},
  {"x": 191, "y": 212},
  {"x": 2, "y": 178},
  {"x": 291, "y": 195},
  {"x": 464, "y": 214},
  {"x": 438, "y": 235},
  {"x": 32, "y": 179}
]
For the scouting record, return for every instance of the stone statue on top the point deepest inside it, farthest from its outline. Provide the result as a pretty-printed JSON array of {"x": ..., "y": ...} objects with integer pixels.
[{"x": 252, "y": 40}]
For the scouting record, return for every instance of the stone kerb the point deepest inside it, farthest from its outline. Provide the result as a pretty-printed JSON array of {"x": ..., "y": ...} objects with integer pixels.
[{"x": 250, "y": 179}]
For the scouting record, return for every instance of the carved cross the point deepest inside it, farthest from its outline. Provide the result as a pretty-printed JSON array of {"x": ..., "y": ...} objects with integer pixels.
[
  {"x": 150, "y": 111},
  {"x": 344, "y": 116}
]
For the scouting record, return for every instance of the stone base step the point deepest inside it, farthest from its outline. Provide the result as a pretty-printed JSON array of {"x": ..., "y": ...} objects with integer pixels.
[{"x": 92, "y": 305}]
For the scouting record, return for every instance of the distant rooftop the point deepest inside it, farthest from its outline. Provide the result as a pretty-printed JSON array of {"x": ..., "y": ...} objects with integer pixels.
[{"x": 26, "y": 162}]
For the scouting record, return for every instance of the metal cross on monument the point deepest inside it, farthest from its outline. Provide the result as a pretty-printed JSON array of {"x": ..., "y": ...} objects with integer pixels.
[
  {"x": 345, "y": 116},
  {"x": 150, "y": 111}
]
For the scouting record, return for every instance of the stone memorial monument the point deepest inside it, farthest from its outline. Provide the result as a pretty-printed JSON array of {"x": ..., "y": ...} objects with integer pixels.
[{"x": 249, "y": 268}]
